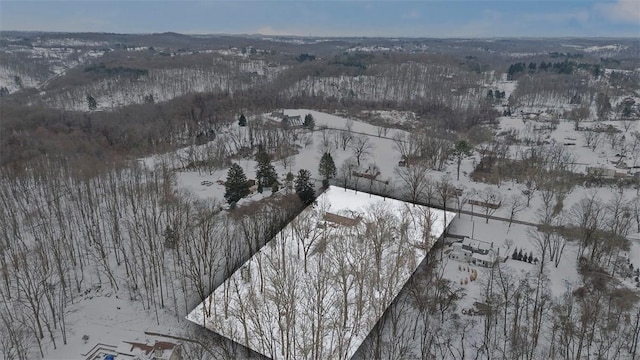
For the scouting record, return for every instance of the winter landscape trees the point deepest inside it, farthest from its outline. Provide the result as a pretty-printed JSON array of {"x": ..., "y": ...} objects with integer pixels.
[{"x": 293, "y": 291}]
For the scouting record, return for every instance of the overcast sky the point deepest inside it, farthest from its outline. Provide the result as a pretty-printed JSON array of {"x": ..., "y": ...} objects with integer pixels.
[{"x": 431, "y": 18}]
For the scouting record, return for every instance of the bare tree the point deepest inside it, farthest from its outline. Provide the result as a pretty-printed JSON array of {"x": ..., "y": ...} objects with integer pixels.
[
  {"x": 492, "y": 202},
  {"x": 415, "y": 180},
  {"x": 542, "y": 241},
  {"x": 463, "y": 196},
  {"x": 306, "y": 231},
  {"x": 361, "y": 147},
  {"x": 345, "y": 174},
  {"x": 578, "y": 115},
  {"x": 287, "y": 162},
  {"x": 587, "y": 215},
  {"x": 446, "y": 191},
  {"x": 556, "y": 248},
  {"x": 307, "y": 139},
  {"x": 382, "y": 130},
  {"x": 346, "y": 135},
  {"x": 626, "y": 124},
  {"x": 325, "y": 142},
  {"x": 516, "y": 204},
  {"x": 405, "y": 145},
  {"x": 592, "y": 139}
]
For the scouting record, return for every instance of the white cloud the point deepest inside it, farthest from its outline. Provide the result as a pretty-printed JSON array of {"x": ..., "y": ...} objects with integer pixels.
[{"x": 622, "y": 10}]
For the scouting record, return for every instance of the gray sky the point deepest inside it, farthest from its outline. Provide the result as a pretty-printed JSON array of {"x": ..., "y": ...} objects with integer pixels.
[{"x": 452, "y": 18}]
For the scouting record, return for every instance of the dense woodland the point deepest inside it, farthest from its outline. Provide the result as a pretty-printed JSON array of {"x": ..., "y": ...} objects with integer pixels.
[{"x": 82, "y": 216}]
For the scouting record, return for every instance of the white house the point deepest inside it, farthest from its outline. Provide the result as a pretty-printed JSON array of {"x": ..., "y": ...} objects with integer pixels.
[
  {"x": 484, "y": 260},
  {"x": 474, "y": 251},
  {"x": 476, "y": 246}
]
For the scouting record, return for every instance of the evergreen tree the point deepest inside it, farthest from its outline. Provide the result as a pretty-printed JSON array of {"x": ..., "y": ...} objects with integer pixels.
[
  {"x": 461, "y": 150},
  {"x": 327, "y": 167},
  {"x": 236, "y": 187},
  {"x": 514, "y": 69},
  {"x": 304, "y": 187},
  {"x": 170, "y": 238},
  {"x": 309, "y": 122},
  {"x": 597, "y": 71},
  {"x": 520, "y": 255},
  {"x": 285, "y": 122},
  {"x": 543, "y": 66},
  {"x": 490, "y": 94},
  {"x": 515, "y": 254},
  {"x": 603, "y": 106},
  {"x": 265, "y": 172},
  {"x": 91, "y": 102},
  {"x": 288, "y": 181},
  {"x": 627, "y": 108},
  {"x": 242, "y": 121}
]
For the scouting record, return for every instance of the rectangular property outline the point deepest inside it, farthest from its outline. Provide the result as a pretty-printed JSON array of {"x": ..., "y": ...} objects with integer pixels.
[{"x": 319, "y": 286}]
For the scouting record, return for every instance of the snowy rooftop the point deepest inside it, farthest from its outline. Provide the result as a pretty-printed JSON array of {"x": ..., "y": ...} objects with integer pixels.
[
  {"x": 319, "y": 286},
  {"x": 476, "y": 244}
]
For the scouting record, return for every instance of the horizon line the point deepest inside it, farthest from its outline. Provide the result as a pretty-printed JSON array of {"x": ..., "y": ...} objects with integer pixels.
[{"x": 525, "y": 37}]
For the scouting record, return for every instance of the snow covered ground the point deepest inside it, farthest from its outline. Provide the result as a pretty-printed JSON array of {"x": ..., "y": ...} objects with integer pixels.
[
  {"x": 505, "y": 241},
  {"x": 106, "y": 323},
  {"x": 385, "y": 157},
  {"x": 109, "y": 320},
  {"x": 317, "y": 271}
]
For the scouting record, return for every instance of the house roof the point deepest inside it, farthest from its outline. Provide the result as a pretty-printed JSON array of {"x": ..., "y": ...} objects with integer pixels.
[
  {"x": 280, "y": 301},
  {"x": 476, "y": 244},
  {"x": 491, "y": 256},
  {"x": 146, "y": 348},
  {"x": 341, "y": 220}
]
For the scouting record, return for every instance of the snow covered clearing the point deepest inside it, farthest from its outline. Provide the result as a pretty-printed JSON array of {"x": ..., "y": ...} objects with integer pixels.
[{"x": 109, "y": 320}]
